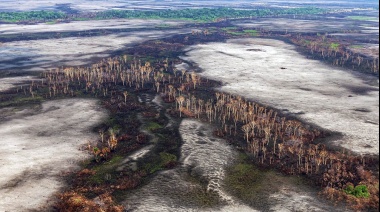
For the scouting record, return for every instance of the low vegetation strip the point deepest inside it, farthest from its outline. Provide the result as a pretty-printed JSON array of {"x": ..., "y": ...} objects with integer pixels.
[
  {"x": 201, "y": 15},
  {"x": 34, "y": 16},
  {"x": 204, "y": 14},
  {"x": 363, "y": 18}
]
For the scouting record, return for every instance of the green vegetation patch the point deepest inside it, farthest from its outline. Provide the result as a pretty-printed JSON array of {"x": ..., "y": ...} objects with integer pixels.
[
  {"x": 356, "y": 46},
  {"x": 360, "y": 191},
  {"x": 245, "y": 181},
  {"x": 228, "y": 28},
  {"x": 362, "y": 18},
  {"x": 236, "y": 32},
  {"x": 250, "y": 184},
  {"x": 198, "y": 194},
  {"x": 51, "y": 22},
  {"x": 334, "y": 46},
  {"x": 105, "y": 171},
  {"x": 31, "y": 16},
  {"x": 160, "y": 162},
  {"x": 204, "y": 14},
  {"x": 251, "y": 32},
  {"x": 199, "y": 15},
  {"x": 305, "y": 42},
  {"x": 167, "y": 159},
  {"x": 202, "y": 198},
  {"x": 152, "y": 126},
  {"x": 20, "y": 101}
]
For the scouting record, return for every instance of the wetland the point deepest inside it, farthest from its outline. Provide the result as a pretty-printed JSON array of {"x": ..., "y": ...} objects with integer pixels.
[{"x": 155, "y": 115}]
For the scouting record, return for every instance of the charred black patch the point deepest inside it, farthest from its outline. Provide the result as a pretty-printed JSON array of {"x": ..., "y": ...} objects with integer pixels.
[
  {"x": 360, "y": 90},
  {"x": 363, "y": 110},
  {"x": 371, "y": 122},
  {"x": 304, "y": 89},
  {"x": 255, "y": 50},
  {"x": 231, "y": 55}
]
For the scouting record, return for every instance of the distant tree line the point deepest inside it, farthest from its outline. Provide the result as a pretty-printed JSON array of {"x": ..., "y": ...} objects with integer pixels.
[
  {"x": 203, "y": 15},
  {"x": 34, "y": 16}
]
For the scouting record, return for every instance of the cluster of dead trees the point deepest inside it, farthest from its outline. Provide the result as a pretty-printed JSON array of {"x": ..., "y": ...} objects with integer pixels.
[
  {"x": 99, "y": 78},
  {"x": 335, "y": 51},
  {"x": 108, "y": 143},
  {"x": 338, "y": 53},
  {"x": 270, "y": 138},
  {"x": 279, "y": 142},
  {"x": 102, "y": 78},
  {"x": 200, "y": 32}
]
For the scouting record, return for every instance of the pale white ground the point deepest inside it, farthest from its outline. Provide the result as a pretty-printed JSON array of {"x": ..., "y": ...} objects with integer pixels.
[
  {"x": 321, "y": 3},
  {"x": 9, "y": 82},
  {"x": 206, "y": 155},
  {"x": 37, "y": 146},
  {"x": 327, "y": 96},
  {"x": 290, "y": 198},
  {"x": 365, "y": 32},
  {"x": 6, "y": 29},
  {"x": 182, "y": 66},
  {"x": 299, "y": 25},
  {"x": 39, "y": 55},
  {"x": 99, "y": 5}
]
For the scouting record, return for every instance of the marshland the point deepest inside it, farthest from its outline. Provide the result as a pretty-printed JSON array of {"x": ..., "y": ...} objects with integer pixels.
[{"x": 189, "y": 106}]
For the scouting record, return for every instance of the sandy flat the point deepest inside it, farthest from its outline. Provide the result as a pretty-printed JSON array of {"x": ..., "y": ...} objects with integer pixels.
[
  {"x": 38, "y": 146},
  {"x": 302, "y": 26},
  {"x": 291, "y": 198},
  {"x": 273, "y": 73},
  {"x": 100, "y": 5},
  {"x": 6, "y": 29},
  {"x": 39, "y": 55}
]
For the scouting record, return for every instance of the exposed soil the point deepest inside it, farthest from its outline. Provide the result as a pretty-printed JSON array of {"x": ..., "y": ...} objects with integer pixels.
[
  {"x": 331, "y": 98},
  {"x": 319, "y": 94},
  {"x": 40, "y": 55},
  {"x": 41, "y": 146},
  {"x": 87, "y": 26}
]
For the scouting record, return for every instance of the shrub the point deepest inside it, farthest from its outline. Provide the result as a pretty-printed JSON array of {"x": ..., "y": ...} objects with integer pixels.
[
  {"x": 167, "y": 160},
  {"x": 358, "y": 191}
]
